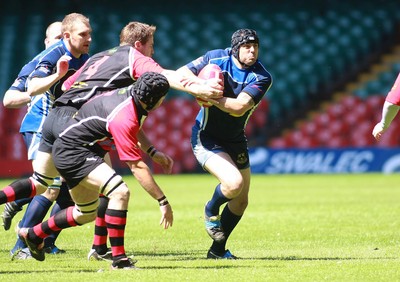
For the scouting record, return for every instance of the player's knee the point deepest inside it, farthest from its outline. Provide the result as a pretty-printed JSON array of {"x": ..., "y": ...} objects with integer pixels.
[
  {"x": 86, "y": 212},
  {"x": 116, "y": 188},
  {"x": 41, "y": 182},
  {"x": 233, "y": 184},
  {"x": 122, "y": 193}
]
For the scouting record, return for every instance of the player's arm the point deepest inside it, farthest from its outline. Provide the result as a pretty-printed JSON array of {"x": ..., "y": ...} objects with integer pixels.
[
  {"x": 143, "y": 175},
  {"x": 389, "y": 112},
  {"x": 14, "y": 99},
  {"x": 236, "y": 106},
  {"x": 188, "y": 82},
  {"x": 39, "y": 85},
  {"x": 157, "y": 156}
]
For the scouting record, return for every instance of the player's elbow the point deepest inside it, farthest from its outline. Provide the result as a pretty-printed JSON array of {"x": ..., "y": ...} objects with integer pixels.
[
  {"x": 237, "y": 112},
  {"x": 8, "y": 101}
]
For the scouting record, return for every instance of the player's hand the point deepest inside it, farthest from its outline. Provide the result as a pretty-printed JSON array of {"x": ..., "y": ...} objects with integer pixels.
[
  {"x": 210, "y": 89},
  {"x": 216, "y": 83},
  {"x": 63, "y": 65},
  {"x": 378, "y": 131},
  {"x": 167, "y": 216},
  {"x": 165, "y": 161}
]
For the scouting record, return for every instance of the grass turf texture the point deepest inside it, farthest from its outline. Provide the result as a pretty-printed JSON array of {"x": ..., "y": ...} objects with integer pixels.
[{"x": 296, "y": 228}]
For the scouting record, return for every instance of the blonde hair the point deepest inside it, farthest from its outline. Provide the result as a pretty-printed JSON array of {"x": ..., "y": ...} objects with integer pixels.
[
  {"x": 136, "y": 31},
  {"x": 70, "y": 20},
  {"x": 53, "y": 28}
]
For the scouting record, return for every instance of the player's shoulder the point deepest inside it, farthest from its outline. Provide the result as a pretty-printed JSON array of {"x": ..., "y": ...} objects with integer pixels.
[
  {"x": 54, "y": 52},
  {"x": 217, "y": 53}
]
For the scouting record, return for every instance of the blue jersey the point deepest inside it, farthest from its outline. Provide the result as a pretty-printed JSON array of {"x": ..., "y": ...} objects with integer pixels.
[
  {"x": 255, "y": 81},
  {"x": 20, "y": 82},
  {"x": 46, "y": 64}
]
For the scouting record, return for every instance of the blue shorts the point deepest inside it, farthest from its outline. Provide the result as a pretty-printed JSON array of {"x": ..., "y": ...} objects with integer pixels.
[
  {"x": 32, "y": 141},
  {"x": 204, "y": 147}
]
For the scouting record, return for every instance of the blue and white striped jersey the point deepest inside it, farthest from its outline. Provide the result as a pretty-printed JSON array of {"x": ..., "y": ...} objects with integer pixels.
[{"x": 46, "y": 64}]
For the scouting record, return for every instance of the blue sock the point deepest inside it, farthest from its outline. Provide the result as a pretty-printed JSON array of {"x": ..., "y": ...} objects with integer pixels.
[
  {"x": 36, "y": 211},
  {"x": 63, "y": 201},
  {"x": 218, "y": 199},
  {"x": 23, "y": 202},
  {"x": 229, "y": 221}
]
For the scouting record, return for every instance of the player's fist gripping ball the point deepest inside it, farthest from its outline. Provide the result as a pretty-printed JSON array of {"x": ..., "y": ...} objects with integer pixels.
[{"x": 210, "y": 71}]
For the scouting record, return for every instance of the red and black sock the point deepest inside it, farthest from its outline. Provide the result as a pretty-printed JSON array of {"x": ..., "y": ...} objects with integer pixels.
[
  {"x": 100, "y": 228},
  {"x": 60, "y": 220},
  {"x": 116, "y": 221},
  {"x": 19, "y": 189}
]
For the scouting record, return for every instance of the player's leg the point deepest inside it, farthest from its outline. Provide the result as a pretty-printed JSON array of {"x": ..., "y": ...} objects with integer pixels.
[
  {"x": 99, "y": 250},
  {"x": 24, "y": 188},
  {"x": 38, "y": 182},
  {"x": 63, "y": 201},
  {"x": 118, "y": 193},
  {"x": 11, "y": 209},
  {"x": 85, "y": 197},
  {"x": 40, "y": 204},
  {"x": 231, "y": 183},
  {"x": 230, "y": 217}
]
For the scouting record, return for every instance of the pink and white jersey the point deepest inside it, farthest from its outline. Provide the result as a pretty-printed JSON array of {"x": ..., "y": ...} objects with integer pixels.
[{"x": 394, "y": 94}]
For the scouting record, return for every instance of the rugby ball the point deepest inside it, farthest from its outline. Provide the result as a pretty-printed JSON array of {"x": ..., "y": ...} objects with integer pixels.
[{"x": 208, "y": 72}]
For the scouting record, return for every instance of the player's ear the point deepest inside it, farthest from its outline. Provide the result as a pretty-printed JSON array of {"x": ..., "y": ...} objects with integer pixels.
[
  {"x": 66, "y": 35},
  {"x": 138, "y": 45}
]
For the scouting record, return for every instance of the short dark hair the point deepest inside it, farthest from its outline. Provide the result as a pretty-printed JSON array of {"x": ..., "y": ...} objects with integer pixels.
[
  {"x": 243, "y": 36},
  {"x": 150, "y": 88}
]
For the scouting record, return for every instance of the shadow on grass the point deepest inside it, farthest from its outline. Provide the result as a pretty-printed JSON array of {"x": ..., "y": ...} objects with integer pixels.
[
  {"x": 194, "y": 255},
  {"x": 45, "y": 271}
]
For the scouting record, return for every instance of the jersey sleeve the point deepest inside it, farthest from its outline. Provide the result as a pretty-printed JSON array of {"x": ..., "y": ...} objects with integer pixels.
[
  {"x": 46, "y": 65},
  {"x": 394, "y": 94},
  {"x": 124, "y": 128},
  {"x": 197, "y": 65},
  {"x": 258, "y": 87},
  {"x": 142, "y": 64}
]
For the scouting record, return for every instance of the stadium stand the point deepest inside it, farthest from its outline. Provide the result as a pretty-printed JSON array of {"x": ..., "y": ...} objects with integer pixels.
[{"x": 314, "y": 51}]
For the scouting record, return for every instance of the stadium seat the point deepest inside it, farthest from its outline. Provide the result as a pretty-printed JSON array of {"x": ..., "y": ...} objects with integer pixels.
[{"x": 337, "y": 141}]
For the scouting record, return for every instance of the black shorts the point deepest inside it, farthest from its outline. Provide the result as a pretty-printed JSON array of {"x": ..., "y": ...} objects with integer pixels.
[
  {"x": 204, "y": 147},
  {"x": 75, "y": 163},
  {"x": 53, "y": 126}
]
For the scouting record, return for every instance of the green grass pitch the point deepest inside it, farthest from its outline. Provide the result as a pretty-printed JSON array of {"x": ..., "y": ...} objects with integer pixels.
[{"x": 296, "y": 228}]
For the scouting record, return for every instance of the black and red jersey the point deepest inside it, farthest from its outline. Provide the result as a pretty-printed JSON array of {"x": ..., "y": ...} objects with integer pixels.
[
  {"x": 110, "y": 116},
  {"x": 111, "y": 69}
]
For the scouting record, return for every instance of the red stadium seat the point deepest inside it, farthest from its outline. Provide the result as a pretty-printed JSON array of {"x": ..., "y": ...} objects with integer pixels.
[
  {"x": 308, "y": 127},
  {"x": 323, "y": 136},
  {"x": 350, "y": 102},
  {"x": 375, "y": 102},
  {"x": 322, "y": 119},
  {"x": 335, "y": 110},
  {"x": 337, "y": 142},
  {"x": 278, "y": 143}
]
